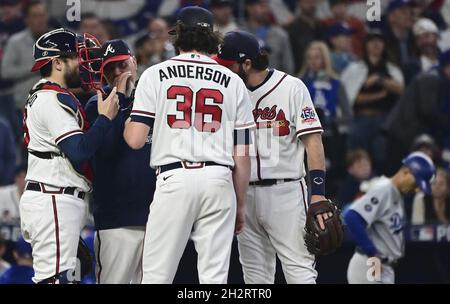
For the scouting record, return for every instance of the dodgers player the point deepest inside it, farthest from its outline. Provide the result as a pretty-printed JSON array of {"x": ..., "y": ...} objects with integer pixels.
[
  {"x": 124, "y": 182},
  {"x": 277, "y": 199},
  {"x": 53, "y": 206},
  {"x": 376, "y": 221},
  {"x": 201, "y": 118}
]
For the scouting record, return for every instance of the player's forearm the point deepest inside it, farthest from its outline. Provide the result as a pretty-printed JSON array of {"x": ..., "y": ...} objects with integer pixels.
[
  {"x": 241, "y": 173},
  {"x": 315, "y": 151},
  {"x": 135, "y": 133},
  {"x": 358, "y": 228},
  {"x": 82, "y": 147},
  {"x": 316, "y": 165}
]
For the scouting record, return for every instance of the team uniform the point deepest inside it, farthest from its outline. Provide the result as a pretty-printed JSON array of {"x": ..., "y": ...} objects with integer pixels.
[
  {"x": 60, "y": 142},
  {"x": 51, "y": 219},
  {"x": 194, "y": 194},
  {"x": 277, "y": 198},
  {"x": 382, "y": 208}
]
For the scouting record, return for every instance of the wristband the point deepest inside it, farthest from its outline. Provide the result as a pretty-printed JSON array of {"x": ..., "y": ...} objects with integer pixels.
[{"x": 317, "y": 178}]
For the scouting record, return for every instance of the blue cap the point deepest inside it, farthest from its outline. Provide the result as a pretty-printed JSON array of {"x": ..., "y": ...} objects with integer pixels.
[
  {"x": 340, "y": 29},
  {"x": 237, "y": 46},
  {"x": 444, "y": 59},
  {"x": 396, "y": 4},
  {"x": 23, "y": 248},
  {"x": 114, "y": 50},
  {"x": 422, "y": 168}
]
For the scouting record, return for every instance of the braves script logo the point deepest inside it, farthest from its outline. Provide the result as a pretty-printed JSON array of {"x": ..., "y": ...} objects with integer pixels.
[
  {"x": 265, "y": 114},
  {"x": 109, "y": 49},
  {"x": 272, "y": 120},
  {"x": 308, "y": 115}
]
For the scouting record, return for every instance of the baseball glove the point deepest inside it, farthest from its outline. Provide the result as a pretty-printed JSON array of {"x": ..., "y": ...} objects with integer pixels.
[
  {"x": 85, "y": 258},
  {"x": 323, "y": 242}
]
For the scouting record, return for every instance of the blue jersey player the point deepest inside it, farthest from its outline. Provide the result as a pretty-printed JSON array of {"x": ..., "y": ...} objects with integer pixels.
[{"x": 376, "y": 221}]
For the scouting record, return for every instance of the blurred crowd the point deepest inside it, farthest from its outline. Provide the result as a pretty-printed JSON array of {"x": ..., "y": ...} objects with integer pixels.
[{"x": 381, "y": 87}]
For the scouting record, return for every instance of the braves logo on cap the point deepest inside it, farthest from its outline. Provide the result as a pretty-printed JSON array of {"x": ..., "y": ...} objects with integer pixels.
[{"x": 109, "y": 49}]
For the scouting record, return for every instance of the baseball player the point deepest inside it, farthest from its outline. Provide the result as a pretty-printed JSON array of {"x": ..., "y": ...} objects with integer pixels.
[
  {"x": 376, "y": 221},
  {"x": 124, "y": 182},
  {"x": 277, "y": 198},
  {"x": 201, "y": 118},
  {"x": 53, "y": 206}
]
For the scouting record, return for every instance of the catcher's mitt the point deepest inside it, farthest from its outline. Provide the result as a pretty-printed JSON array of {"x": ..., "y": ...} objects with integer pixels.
[
  {"x": 85, "y": 258},
  {"x": 323, "y": 242}
]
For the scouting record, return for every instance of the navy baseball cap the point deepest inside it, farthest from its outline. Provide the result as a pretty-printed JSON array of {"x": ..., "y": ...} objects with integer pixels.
[
  {"x": 237, "y": 46},
  {"x": 114, "y": 50},
  {"x": 193, "y": 17},
  {"x": 396, "y": 4},
  {"x": 341, "y": 28}
]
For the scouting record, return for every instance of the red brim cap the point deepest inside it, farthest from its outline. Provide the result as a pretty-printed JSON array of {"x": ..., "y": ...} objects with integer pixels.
[
  {"x": 223, "y": 62},
  {"x": 39, "y": 64},
  {"x": 115, "y": 58}
]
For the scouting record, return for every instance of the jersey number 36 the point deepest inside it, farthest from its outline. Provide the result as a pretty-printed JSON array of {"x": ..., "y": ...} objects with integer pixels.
[{"x": 202, "y": 110}]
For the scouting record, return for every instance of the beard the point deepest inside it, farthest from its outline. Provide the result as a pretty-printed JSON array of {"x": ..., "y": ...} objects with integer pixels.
[
  {"x": 241, "y": 73},
  {"x": 72, "y": 78}
]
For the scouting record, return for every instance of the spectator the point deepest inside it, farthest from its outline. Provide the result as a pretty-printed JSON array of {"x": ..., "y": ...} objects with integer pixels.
[
  {"x": 11, "y": 22},
  {"x": 398, "y": 32},
  {"x": 423, "y": 108},
  {"x": 144, "y": 52},
  {"x": 273, "y": 37},
  {"x": 435, "y": 208},
  {"x": 18, "y": 59},
  {"x": 222, "y": 11},
  {"x": 342, "y": 53},
  {"x": 162, "y": 48},
  {"x": 93, "y": 25},
  {"x": 426, "y": 36},
  {"x": 339, "y": 14},
  {"x": 331, "y": 104},
  {"x": 305, "y": 29},
  {"x": 373, "y": 86},
  {"x": 7, "y": 154},
  {"x": 359, "y": 169},
  {"x": 10, "y": 197},
  {"x": 4, "y": 265},
  {"x": 22, "y": 271},
  {"x": 426, "y": 144}
]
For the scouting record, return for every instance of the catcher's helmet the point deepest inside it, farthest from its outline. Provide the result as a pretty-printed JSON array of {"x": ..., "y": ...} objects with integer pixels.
[
  {"x": 422, "y": 168},
  {"x": 53, "y": 44}
]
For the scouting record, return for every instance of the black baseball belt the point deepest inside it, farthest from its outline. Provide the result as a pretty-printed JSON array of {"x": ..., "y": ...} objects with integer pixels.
[
  {"x": 39, "y": 187},
  {"x": 189, "y": 165},
  {"x": 45, "y": 155},
  {"x": 271, "y": 182}
]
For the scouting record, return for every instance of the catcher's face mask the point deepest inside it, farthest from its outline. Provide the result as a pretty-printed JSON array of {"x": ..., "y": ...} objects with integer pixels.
[{"x": 90, "y": 63}]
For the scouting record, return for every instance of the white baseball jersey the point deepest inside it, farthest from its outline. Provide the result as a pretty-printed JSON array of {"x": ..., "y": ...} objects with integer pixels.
[
  {"x": 283, "y": 111},
  {"x": 196, "y": 104},
  {"x": 382, "y": 208},
  {"x": 48, "y": 123}
]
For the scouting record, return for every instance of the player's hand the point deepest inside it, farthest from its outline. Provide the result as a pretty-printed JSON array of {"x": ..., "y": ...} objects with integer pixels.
[
  {"x": 240, "y": 220},
  {"x": 123, "y": 82},
  {"x": 323, "y": 216},
  {"x": 110, "y": 106}
]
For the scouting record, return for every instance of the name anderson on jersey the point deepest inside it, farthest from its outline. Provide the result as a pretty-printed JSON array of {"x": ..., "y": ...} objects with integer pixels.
[{"x": 195, "y": 72}]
